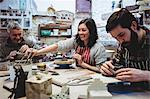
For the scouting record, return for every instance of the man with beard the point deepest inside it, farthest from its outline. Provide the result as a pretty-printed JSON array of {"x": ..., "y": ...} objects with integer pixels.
[
  {"x": 133, "y": 53},
  {"x": 14, "y": 43}
]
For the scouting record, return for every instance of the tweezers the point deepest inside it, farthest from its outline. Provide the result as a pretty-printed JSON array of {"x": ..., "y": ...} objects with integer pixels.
[
  {"x": 28, "y": 59},
  {"x": 78, "y": 81}
]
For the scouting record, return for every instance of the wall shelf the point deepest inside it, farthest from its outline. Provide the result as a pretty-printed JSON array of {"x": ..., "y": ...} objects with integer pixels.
[
  {"x": 54, "y": 30},
  {"x": 24, "y": 18}
]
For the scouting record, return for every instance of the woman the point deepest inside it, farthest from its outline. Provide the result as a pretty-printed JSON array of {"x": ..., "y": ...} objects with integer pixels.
[{"x": 88, "y": 53}]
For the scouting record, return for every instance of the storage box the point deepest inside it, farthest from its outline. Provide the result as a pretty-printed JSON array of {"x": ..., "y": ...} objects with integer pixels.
[
  {"x": 4, "y": 66},
  {"x": 99, "y": 94},
  {"x": 39, "y": 89},
  {"x": 98, "y": 90}
]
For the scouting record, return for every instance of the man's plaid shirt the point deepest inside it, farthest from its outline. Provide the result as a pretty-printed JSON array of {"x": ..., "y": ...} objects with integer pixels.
[{"x": 139, "y": 58}]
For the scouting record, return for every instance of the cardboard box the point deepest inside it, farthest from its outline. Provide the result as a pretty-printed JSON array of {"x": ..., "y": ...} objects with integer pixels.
[{"x": 39, "y": 89}]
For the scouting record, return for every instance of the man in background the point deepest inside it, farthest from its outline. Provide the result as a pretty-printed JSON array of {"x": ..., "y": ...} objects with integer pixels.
[{"x": 15, "y": 43}]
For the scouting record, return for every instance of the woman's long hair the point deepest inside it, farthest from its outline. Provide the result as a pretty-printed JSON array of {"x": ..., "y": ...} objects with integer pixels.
[{"x": 90, "y": 24}]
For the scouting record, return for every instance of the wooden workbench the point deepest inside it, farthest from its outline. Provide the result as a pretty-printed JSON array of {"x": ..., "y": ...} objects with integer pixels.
[{"x": 75, "y": 91}]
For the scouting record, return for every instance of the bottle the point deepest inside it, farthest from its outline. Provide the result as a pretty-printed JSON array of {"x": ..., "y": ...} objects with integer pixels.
[{"x": 11, "y": 71}]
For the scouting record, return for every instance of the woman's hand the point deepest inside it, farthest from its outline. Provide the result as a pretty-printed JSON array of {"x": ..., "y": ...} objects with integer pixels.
[
  {"x": 107, "y": 68},
  {"x": 30, "y": 52},
  {"x": 132, "y": 75},
  {"x": 78, "y": 57}
]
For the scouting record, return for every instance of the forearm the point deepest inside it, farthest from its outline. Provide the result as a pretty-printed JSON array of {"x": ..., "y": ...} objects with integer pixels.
[
  {"x": 87, "y": 66},
  {"x": 50, "y": 48},
  {"x": 147, "y": 76}
]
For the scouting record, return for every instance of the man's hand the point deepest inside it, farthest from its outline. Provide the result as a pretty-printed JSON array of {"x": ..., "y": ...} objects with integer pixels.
[
  {"x": 107, "y": 68},
  {"x": 30, "y": 52},
  {"x": 132, "y": 75},
  {"x": 23, "y": 48},
  {"x": 12, "y": 55}
]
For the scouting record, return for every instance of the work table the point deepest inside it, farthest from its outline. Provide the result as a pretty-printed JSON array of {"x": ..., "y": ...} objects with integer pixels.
[{"x": 75, "y": 91}]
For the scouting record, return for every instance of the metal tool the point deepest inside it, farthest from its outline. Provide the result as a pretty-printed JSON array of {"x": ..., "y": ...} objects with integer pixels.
[
  {"x": 27, "y": 58},
  {"x": 80, "y": 81}
]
